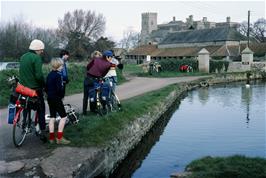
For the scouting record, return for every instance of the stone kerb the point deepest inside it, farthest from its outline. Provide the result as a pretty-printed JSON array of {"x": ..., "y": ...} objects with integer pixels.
[
  {"x": 204, "y": 60},
  {"x": 246, "y": 59}
]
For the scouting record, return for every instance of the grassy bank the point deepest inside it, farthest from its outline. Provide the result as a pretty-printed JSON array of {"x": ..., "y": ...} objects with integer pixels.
[
  {"x": 228, "y": 167},
  {"x": 94, "y": 130}
]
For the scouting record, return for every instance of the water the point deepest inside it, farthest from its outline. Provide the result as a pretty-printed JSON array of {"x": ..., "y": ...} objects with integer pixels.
[{"x": 222, "y": 120}]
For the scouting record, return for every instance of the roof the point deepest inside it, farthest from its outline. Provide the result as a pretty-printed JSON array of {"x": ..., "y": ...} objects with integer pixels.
[
  {"x": 203, "y": 35},
  {"x": 143, "y": 50},
  {"x": 221, "y": 50}
]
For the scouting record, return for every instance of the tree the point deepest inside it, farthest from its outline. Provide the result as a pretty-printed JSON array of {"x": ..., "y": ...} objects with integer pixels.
[
  {"x": 16, "y": 37},
  {"x": 130, "y": 39},
  {"x": 78, "y": 28},
  {"x": 257, "y": 30},
  {"x": 103, "y": 44}
]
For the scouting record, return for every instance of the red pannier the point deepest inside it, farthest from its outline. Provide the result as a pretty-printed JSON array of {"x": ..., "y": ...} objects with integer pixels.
[{"x": 25, "y": 91}]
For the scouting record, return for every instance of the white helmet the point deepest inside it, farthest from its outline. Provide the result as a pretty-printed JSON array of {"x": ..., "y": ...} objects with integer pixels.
[{"x": 36, "y": 45}]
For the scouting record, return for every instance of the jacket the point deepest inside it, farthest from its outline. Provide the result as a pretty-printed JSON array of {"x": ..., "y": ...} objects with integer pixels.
[{"x": 30, "y": 70}]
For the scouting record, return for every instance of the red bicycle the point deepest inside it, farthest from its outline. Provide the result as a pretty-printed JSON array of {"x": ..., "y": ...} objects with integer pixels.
[
  {"x": 22, "y": 124},
  {"x": 25, "y": 111}
]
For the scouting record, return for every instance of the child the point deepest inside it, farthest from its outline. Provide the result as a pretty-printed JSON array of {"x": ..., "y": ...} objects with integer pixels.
[{"x": 55, "y": 93}]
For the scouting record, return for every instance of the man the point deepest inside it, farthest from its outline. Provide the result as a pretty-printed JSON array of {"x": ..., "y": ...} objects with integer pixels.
[
  {"x": 31, "y": 75},
  {"x": 64, "y": 55}
]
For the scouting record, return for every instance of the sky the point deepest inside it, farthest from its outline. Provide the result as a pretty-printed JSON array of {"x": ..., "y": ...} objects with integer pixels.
[{"x": 123, "y": 15}]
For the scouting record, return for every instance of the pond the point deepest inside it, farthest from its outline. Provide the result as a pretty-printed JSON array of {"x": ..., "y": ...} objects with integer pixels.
[{"x": 220, "y": 120}]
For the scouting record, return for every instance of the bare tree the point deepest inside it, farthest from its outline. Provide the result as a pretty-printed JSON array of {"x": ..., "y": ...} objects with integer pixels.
[
  {"x": 243, "y": 28},
  {"x": 259, "y": 30},
  {"x": 130, "y": 39},
  {"x": 78, "y": 28}
]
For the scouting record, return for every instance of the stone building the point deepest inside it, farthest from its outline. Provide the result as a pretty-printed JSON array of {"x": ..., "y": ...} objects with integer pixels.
[{"x": 151, "y": 32}]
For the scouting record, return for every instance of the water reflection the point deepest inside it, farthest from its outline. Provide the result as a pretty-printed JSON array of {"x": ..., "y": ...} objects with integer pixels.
[
  {"x": 246, "y": 99},
  {"x": 134, "y": 159}
]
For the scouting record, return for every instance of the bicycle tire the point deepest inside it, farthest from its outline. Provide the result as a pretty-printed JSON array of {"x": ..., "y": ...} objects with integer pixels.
[
  {"x": 19, "y": 128},
  {"x": 115, "y": 103}
]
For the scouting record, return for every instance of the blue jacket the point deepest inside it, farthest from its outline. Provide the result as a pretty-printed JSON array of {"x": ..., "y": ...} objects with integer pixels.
[
  {"x": 54, "y": 85},
  {"x": 64, "y": 72}
]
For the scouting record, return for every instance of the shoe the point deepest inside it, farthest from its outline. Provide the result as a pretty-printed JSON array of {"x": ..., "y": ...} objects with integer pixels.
[
  {"x": 62, "y": 141},
  {"x": 43, "y": 137},
  {"x": 52, "y": 141}
]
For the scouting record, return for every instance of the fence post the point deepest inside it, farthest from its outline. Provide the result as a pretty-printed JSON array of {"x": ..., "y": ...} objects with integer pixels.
[
  {"x": 204, "y": 60},
  {"x": 246, "y": 59}
]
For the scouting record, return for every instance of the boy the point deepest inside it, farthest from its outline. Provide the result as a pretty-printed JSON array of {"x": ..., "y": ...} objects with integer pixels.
[{"x": 55, "y": 94}]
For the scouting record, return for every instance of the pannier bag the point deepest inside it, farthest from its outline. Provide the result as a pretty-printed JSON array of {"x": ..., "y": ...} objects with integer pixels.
[
  {"x": 25, "y": 91},
  {"x": 11, "y": 113}
]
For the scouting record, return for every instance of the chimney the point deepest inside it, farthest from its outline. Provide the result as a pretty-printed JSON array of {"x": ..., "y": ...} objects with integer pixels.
[
  {"x": 204, "y": 19},
  {"x": 228, "y": 19},
  {"x": 174, "y": 19}
]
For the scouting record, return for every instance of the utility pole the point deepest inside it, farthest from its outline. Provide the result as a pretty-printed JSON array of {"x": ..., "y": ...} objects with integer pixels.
[{"x": 248, "y": 26}]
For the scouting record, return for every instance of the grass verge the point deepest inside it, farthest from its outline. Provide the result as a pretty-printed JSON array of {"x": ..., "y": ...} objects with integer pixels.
[
  {"x": 95, "y": 130},
  {"x": 228, "y": 167}
]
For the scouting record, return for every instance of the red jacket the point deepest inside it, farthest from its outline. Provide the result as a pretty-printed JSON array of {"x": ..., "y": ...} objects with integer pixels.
[{"x": 98, "y": 67}]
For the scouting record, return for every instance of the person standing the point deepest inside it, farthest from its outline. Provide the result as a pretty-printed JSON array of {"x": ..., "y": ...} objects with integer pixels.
[
  {"x": 64, "y": 55},
  {"x": 55, "y": 94},
  {"x": 31, "y": 75},
  {"x": 96, "y": 68}
]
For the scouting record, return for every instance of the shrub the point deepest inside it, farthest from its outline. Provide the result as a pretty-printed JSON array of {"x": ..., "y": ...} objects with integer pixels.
[{"x": 174, "y": 64}]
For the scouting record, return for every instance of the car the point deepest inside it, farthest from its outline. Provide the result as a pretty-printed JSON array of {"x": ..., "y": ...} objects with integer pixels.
[{"x": 9, "y": 65}]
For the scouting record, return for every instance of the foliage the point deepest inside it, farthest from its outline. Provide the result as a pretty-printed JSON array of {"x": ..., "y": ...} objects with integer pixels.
[
  {"x": 230, "y": 167},
  {"x": 218, "y": 65},
  {"x": 5, "y": 88},
  {"x": 102, "y": 44},
  {"x": 16, "y": 37},
  {"x": 174, "y": 64}
]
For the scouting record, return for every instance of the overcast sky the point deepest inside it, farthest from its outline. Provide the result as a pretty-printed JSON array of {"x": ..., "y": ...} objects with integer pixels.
[{"x": 121, "y": 15}]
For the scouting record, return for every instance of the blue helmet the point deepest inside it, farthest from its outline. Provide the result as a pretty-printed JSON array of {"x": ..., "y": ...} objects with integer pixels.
[{"x": 108, "y": 53}]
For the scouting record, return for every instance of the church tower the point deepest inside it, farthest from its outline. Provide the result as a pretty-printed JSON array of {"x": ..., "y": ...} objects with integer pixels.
[{"x": 148, "y": 24}]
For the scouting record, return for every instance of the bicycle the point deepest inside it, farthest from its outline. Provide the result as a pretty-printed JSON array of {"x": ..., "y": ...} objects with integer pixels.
[
  {"x": 98, "y": 97},
  {"x": 113, "y": 100},
  {"x": 22, "y": 124}
]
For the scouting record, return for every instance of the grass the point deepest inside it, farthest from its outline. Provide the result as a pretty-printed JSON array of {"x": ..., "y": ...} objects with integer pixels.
[
  {"x": 171, "y": 74},
  {"x": 228, "y": 167},
  {"x": 134, "y": 69},
  {"x": 95, "y": 130}
]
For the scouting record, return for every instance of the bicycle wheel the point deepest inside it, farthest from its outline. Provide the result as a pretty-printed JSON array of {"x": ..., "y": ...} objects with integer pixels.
[
  {"x": 115, "y": 103},
  {"x": 101, "y": 107},
  {"x": 20, "y": 127}
]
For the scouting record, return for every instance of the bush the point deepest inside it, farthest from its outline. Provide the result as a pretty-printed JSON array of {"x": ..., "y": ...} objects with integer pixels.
[
  {"x": 174, "y": 64},
  {"x": 218, "y": 65}
]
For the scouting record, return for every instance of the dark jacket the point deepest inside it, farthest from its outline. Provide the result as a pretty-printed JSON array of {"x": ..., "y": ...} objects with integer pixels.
[
  {"x": 30, "y": 70},
  {"x": 98, "y": 67},
  {"x": 54, "y": 86}
]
